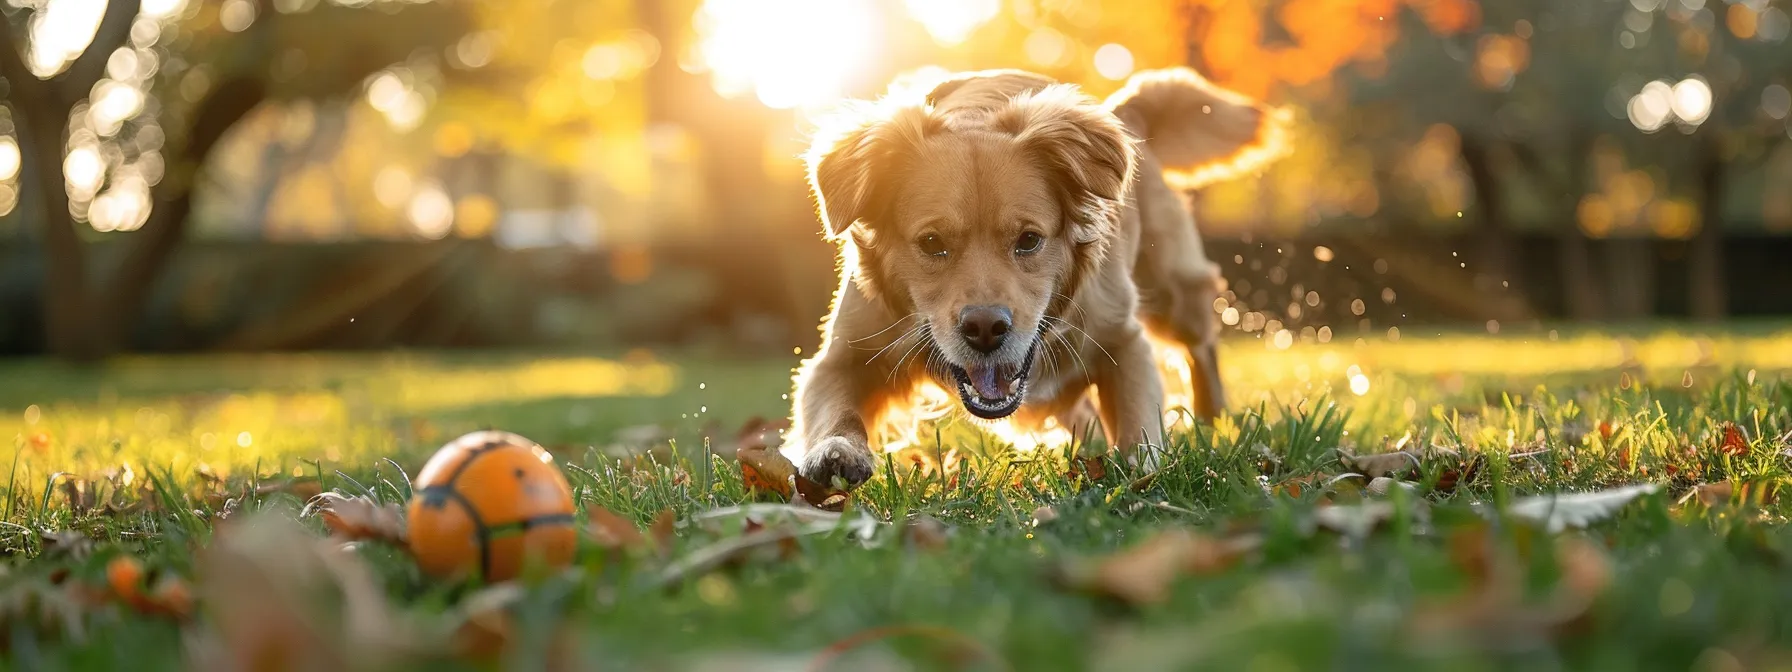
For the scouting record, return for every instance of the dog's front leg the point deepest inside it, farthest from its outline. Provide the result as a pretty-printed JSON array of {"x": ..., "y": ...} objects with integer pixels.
[
  {"x": 1131, "y": 391},
  {"x": 832, "y": 402}
]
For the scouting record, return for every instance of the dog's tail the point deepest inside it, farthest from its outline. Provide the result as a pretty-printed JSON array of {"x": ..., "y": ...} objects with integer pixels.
[{"x": 1201, "y": 133}]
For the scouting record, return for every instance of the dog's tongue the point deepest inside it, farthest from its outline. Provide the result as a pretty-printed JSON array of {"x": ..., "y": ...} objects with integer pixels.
[{"x": 987, "y": 383}]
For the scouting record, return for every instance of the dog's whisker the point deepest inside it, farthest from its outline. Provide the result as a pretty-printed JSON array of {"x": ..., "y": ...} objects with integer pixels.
[
  {"x": 905, "y": 336},
  {"x": 1075, "y": 354},
  {"x": 1087, "y": 338},
  {"x": 919, "y": 343},
  {"x": 880, "y": 332}
]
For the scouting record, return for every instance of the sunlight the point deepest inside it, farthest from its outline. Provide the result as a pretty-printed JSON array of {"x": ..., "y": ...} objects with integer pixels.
[
  {"x": 788, "y": 53},
  {"x": 950, "y": 22}
]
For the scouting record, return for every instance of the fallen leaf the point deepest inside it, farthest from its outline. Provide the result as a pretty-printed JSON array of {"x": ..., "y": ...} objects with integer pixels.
[
  {"x": 1144, "y": 573},
  {"x": 824, "y": 497},
  {"x": 1399, "y": 463},
  {"x": 1734, "y": 442},
  {"x": 926, "y": 533},
  {"x": 1558, "y": 512},
  {"x": 1494, "y": 612},
  {"x": 124, "y": 575},
  {"x": 613, "y": 532},
  {"x": 1449, "y": 479},
  {"x": 1722, "y": 492},
  {"x": 302, "y": 488},
  {"x": 358, "y": 518},
  {"x": 664, "y": 530},
  {"x": 277, "y": 597},
  {"x": 68, "y": 543},
  {"x": 1090, "y": 468},
  {"x": 1357, "y": 520},
  {"x": 1382, "y": 485},
  {"x": 766, "y": 470},
  {"x": 484, "y": 628}
]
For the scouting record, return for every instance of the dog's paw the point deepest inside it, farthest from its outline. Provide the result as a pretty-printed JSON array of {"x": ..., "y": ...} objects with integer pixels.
[{"x": 838, "y": 456}]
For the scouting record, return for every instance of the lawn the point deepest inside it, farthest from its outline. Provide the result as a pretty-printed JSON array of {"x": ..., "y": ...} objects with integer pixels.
[{"x": 1276, "y": 539}]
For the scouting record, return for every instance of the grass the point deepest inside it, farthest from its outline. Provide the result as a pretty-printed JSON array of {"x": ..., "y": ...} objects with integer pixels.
[{"x": 1692, "y": 586}]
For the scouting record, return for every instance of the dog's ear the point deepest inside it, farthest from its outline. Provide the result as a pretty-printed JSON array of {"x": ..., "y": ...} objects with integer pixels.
[
  {"x": 1086, "y": 147},
  {"x": 854, "y": 152}
]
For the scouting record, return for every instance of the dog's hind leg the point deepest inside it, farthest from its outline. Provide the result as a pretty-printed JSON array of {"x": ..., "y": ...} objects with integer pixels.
[{"x": 1177, "y": 285}]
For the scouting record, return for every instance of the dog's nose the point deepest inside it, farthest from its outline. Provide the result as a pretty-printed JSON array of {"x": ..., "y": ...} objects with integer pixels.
[{"x": 985, "y": 327}]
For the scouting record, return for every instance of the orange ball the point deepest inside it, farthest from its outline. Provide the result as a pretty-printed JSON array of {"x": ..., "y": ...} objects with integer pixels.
[{"x": 488, "y": 504}]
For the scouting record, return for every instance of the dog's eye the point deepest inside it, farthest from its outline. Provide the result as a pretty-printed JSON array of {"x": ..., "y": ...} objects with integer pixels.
[
  {"x": 1029, "y": 243},
  {"x": 931, "y": 245}
]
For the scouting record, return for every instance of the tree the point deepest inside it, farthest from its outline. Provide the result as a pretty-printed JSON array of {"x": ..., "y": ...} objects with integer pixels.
[{"x": 93, "y": 114}]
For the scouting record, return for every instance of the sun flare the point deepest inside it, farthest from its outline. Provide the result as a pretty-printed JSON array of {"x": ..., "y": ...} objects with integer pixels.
[{"x": 787, "y": 53}]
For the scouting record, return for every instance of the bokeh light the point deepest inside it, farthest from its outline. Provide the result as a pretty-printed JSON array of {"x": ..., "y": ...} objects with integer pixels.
[
  {"x": 1113, "y": 61},
  {"x": 1692, "y": 100},
  {"x": 431, "y": 211},
  {"x": 9, "y": 158},
  {"x": 1650, "y": 109}
]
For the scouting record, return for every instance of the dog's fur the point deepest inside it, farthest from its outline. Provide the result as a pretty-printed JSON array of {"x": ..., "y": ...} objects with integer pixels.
[{"x": 937, "y": 202}]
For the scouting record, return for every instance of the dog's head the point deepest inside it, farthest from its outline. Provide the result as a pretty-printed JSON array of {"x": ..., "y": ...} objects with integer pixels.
[{"x": 980, "y": 217}]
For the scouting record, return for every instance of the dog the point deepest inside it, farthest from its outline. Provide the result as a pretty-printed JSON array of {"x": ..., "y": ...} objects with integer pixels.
[{"x": 1007, "y": 237}]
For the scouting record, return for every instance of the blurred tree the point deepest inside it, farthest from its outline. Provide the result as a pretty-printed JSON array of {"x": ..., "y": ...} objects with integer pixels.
[{"x": 96, "y": 106}]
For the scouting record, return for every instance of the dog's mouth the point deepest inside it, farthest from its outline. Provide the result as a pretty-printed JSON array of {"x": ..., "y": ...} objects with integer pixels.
[{"x": 994, "y": 391}]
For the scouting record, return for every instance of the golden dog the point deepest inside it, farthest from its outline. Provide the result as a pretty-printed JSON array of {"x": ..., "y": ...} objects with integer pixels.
[{"x": 1007, "y": 237}]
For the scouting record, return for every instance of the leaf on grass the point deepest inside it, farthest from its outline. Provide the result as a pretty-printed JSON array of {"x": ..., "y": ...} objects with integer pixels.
[
  {"x": 1383, "y": 485},
  {"x": 1753, "y": 493},
  {"x": 1464, "y": 472},
  {"x": 276, "y": 595},
  {"x": 1494, "y": 612},
  {"x": 358, "y": 518},
  {"x": 664, "y": 530},
  {"x": 1144, "y": 573},
  {"x": 1734, "y": 442},
  {"x": 1357, "y": 520},
  {"x": 766, "y": 470},
  {"x": 824, "y": 497},
  {"x": 1559, "y": 512},
  {"x": 613, "y": 532},
  {"x": 483, "y": 627},
  {"x": 1090, "y": 468},
  {"x": 67, "y": 543},
  {"x": 926, "y": 533},
  {"x": 1400, "y": 463}
]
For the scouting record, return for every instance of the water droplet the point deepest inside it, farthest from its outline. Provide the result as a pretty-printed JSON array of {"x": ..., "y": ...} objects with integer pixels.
[
  {"x": 33, "y": 413},
  {"x": 702, "y": 386},
  {"x": 1686, "y": 379}
]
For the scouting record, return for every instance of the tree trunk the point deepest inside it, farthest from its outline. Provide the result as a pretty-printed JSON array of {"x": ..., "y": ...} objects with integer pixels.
[
  {"x": 1707, "y": 293},
  {"x": 1630, "y": 271},
  {"x": 129, "y": 287},
  {"x": 1493, "y": 230}
]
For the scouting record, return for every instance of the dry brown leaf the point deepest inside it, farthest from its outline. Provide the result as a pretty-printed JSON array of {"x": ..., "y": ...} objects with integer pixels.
[
  {"x": 485, "y": 629},
  {"x": 277, "y": 597},
  {"x": 1090, "y": 468},
  {"x": 664, "y": 530},
  {"x": 824, "y": 497},
  {"x": 1734, "y": 442},
  {"x": 1462, "y": 473},
  {"x": 766, "y": 470},
  {"x": 1144, "y": 573},
  {"x": 358, "y": 518},
  {"x": 1398, "y": 464},
  {"x": 613, "y": 532},
  {"x": 926, "y": 533},
  {"x": 66, "y": 543},
  {"x": 1723, "y": 492},
  {"x": 1494, "y": 612}
]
